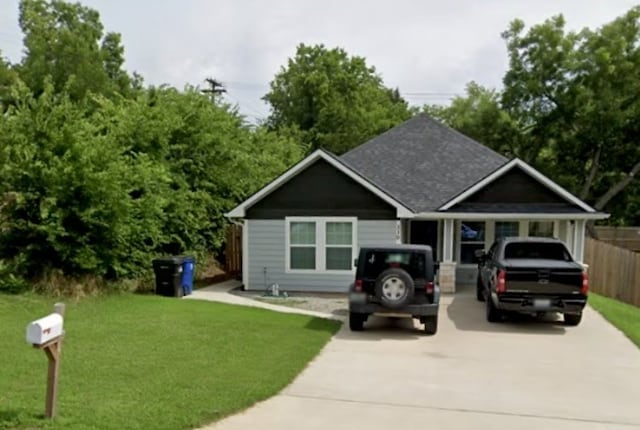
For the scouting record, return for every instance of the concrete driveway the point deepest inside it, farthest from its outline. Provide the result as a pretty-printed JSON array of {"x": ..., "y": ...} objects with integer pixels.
[{"x": 471, "y": 375}]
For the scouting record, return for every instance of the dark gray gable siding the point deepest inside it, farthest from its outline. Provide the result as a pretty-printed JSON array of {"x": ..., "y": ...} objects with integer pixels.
[
  {"x": 423, "y": 163},
  {"x": 515, "y": 191},
  {"x": 321, "y": 190}
]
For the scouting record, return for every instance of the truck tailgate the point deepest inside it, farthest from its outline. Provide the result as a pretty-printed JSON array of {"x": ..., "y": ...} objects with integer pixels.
[{"x": 543, "y": 277}]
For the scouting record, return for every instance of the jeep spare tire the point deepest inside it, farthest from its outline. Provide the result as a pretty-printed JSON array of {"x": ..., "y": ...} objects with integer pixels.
[{"x": 394, "y": 288}]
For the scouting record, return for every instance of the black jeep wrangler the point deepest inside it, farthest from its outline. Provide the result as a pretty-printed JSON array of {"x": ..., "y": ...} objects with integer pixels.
[{"x": 395, "y": 280}]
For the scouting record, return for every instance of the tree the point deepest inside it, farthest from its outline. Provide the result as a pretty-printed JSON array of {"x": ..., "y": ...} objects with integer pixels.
[
  {"x": 65, "y": 41},
  {"x": 72, "y": 201},
  {"x": 8, "y": 78},
  {"x": 568, "y": 107},
  {"x": 480, "y": 116},
  {"x": 575, "y": 94},
  {"x": 335, "y": 100}
]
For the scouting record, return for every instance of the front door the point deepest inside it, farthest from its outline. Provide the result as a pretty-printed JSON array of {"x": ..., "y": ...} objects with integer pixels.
[{"x": 425, "y": 233}]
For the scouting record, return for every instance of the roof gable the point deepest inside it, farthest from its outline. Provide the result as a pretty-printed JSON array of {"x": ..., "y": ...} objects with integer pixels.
[
  {"x": 240, "y": 211},
  {"x": 514, "y": 186},
  {"x": 321, "y": 190},
  {"x": 423, "y": 163}
]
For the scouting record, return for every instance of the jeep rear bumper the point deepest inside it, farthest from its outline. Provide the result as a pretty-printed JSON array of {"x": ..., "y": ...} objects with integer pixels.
[{"x": 415, "y": 310}]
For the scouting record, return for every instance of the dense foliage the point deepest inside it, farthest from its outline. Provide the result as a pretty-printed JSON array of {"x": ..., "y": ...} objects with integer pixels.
[
  {"x": 569, "y": 106},
  {"x": 99, "y": 175},
  {"x": 335, "y": 100}
]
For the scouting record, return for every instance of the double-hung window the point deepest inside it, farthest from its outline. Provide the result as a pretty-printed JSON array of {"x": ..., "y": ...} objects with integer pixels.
[
  {"x": 303, "y": 247},
  {"x": 320, "y": 244}
]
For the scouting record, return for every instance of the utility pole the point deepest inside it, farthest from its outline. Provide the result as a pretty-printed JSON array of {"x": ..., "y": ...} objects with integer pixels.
[{"x": 215, "y": 88}]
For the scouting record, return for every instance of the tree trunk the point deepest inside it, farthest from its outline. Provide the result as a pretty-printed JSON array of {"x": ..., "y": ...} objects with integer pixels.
[
  {"x": 591, "y": 230},
  {"x": 610, "y": 194},
  {"x": 595, "y": 164},
  {"x": 619, "y": 186}
]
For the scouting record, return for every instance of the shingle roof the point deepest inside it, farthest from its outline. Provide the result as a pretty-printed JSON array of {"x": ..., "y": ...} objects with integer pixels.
[{"x": 423, "y": 163}]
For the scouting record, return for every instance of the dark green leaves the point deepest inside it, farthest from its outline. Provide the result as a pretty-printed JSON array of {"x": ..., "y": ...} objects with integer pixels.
[{"x": 336, "y": 101}]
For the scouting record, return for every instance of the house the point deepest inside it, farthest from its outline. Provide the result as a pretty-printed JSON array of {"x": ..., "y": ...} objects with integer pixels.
[{"x": 420, "y": 182}]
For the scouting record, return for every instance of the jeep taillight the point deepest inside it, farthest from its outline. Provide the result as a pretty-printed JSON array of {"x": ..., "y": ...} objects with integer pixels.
[
  {"x": 501, "y": 286},
  {"x": 585, "y": 283},
  {"x": 428, "y": 287},
  {"x": 358, "y": 285}
]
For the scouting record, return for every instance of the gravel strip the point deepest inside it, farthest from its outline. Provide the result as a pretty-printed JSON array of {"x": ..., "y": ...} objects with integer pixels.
[{"x": 336, "y": 304}]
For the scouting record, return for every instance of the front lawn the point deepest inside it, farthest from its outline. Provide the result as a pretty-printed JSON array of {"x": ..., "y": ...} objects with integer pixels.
[
  {"x": 147, "y": 362},
  {"x": 625, "y": 317}
]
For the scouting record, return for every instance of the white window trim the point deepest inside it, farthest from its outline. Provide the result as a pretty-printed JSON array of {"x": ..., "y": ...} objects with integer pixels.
[{"x": 321, "y": 245}]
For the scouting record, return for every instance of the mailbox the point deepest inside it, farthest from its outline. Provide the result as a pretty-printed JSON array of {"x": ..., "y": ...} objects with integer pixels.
[{"x": 45, "y": 329}]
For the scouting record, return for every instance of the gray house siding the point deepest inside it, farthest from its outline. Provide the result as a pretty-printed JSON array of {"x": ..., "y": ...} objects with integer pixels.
[{"x": 266, "y": 249}]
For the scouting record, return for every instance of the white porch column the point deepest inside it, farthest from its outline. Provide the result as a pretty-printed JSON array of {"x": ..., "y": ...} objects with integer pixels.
[
  {"x": 447, "y": 245},
  {"x": 578, "y": 239},
  {"x": 447, "y": 272}
]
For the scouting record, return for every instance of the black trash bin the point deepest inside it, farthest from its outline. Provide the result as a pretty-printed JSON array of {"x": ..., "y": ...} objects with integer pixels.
[{"x": 168, "y": 273}]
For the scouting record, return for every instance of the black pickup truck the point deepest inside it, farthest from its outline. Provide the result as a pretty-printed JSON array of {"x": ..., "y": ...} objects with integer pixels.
[{"x": 531, "y": 275}]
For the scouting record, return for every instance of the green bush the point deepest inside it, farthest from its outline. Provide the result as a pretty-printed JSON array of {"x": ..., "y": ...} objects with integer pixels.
[{"x": 101, "y": 191}]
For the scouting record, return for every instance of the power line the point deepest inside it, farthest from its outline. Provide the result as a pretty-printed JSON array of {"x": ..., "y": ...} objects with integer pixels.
[
  {"x": 256, "y": 85},
  {"x": 247, "y": 106},
  {"x": 430, "y": 94}
]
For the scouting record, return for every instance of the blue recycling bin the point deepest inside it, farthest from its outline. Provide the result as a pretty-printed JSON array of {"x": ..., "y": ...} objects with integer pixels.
[{"x": 188, "y": 271}]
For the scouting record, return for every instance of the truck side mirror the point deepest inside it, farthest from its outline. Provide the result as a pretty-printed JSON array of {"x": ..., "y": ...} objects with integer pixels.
[{"x": 355, "y": 263}]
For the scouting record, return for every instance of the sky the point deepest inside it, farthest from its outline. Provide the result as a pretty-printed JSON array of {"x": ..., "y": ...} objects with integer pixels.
[{"x": 428, "y": 49}]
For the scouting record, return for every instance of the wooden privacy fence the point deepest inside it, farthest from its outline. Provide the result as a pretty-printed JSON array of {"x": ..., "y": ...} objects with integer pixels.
[
  {"x": 233, "y": 250},
  {"x": 625, "y": 237},
  {"x": 613, "y": 271}
]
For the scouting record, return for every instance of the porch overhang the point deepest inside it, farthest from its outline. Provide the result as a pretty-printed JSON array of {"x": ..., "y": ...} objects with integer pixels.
[{"x": 511, "y": 215}]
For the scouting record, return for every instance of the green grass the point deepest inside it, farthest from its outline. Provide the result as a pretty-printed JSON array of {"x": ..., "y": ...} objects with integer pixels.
[
  {"x": 147, "y": 362},
  {"x": 625, "y": 317}
]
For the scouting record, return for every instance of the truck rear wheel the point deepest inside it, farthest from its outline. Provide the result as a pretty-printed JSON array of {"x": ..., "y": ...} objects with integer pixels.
[
  {"x": 572, "y": 319},
  {"x": 493, "y": 314},
  {"x": 479, "y": 290}
]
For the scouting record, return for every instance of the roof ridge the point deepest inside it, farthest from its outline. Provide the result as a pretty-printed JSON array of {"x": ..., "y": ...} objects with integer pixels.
[
  {"x": 437, "y": 162},
  {"x": 464, "y": 136},
  {"x": 375, "y": 138}
]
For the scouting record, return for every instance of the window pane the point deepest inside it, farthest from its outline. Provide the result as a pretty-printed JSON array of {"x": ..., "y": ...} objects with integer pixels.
[
  {"x": 472, "y": 231},
  {"x": 339, "y": 258},
  {"x": 507, "y": 229},
  {"x": 303, "y": 258},
  {"x": 467, "y": 252},
  {"x": 377, "y": 261},
  {"x": 533, "y": 250},
  {"x": 339, "y": 233},
  {"x": 541, "y": 228},
  {"x": 302, "y": 233}
]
